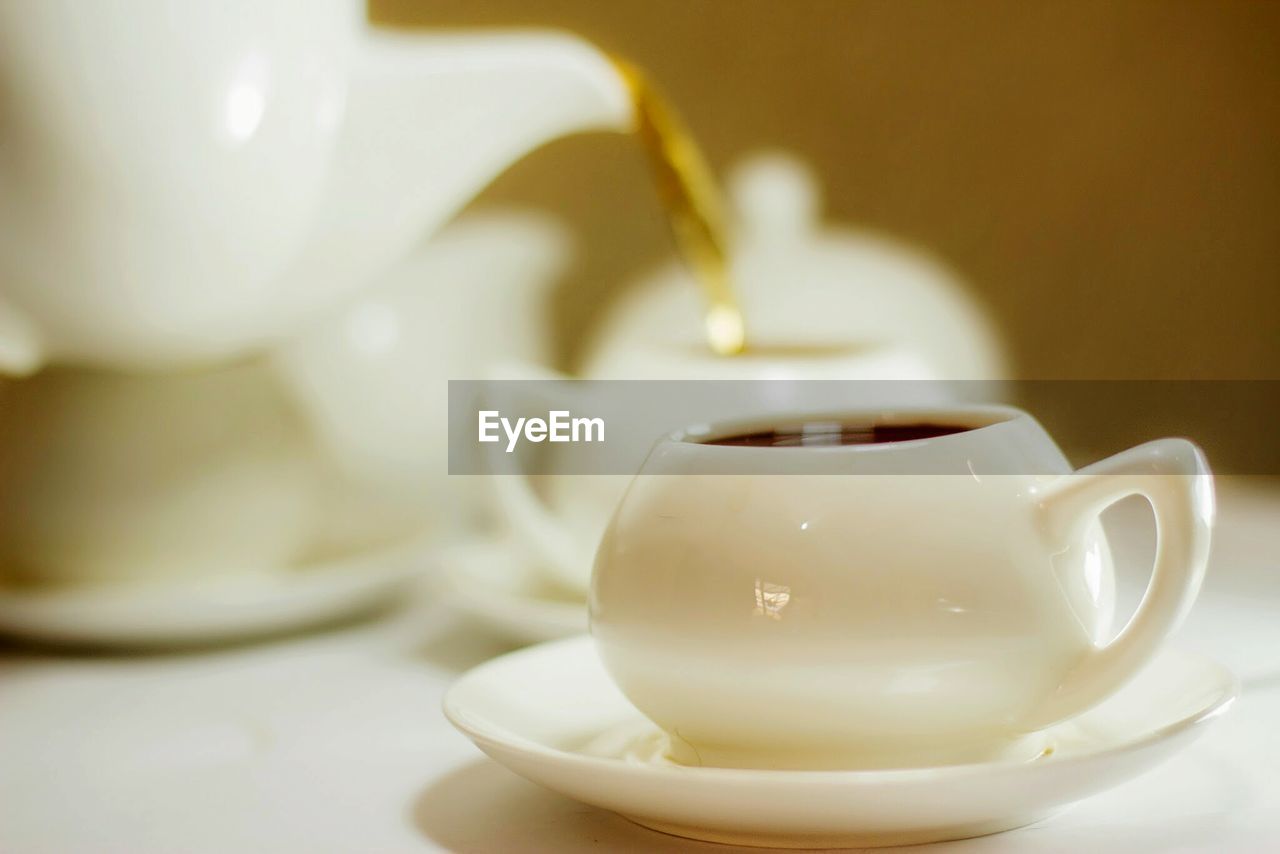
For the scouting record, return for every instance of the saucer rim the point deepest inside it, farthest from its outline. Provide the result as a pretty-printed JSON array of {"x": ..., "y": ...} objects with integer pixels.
[
  {"x": 1217, "y": 707},
  {"x": 25, "y": 613}
]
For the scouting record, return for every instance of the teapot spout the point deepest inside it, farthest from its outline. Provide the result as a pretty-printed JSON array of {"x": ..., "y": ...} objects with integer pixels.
[
  {"x": 538, "y": 84},
  {"x": 466, "y": 106},
  {"x": 429, "y": 121}
]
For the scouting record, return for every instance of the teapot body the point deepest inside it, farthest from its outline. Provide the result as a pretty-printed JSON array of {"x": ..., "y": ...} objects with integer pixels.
[
  {"x": 184, "y": 182},
  {"x": 161, "y": 165}
]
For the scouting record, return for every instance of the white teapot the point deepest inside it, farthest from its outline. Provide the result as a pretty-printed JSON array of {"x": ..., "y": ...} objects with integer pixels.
[{"x": 184, "y": 181}]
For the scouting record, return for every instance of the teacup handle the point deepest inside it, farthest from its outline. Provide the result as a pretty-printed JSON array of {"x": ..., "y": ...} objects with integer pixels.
[{"x": 1174, "y": 477}]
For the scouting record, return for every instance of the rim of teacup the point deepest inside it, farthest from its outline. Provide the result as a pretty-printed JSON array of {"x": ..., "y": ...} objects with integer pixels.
[{"x": 974, "y": 418}]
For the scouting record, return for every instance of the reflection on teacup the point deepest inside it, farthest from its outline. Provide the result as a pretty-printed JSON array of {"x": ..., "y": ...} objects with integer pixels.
[{"x": 872, "y": 589}]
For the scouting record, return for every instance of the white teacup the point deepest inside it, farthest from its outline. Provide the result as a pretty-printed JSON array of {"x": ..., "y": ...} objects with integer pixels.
[{"x": 902, "y": 603}]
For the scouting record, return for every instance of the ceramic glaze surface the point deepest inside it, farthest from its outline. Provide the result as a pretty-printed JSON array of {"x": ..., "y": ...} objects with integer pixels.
[
  {"x": 873, "y": 605},
  {"x": 205, "y": 176}
]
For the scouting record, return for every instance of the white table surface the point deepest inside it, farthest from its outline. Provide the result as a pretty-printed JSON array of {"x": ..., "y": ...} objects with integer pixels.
[{"x": 335, "y": 741}]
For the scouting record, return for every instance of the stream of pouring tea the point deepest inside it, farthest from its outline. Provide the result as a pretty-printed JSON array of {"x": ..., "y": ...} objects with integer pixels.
[{"x": 692, "y": 199}]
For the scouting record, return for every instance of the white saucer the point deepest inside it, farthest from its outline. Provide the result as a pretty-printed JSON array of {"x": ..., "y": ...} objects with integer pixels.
[
  {"x": 215, "y": 610},
  {"x": 493, "y": 581},
  {"x": 551, "y": 714}
]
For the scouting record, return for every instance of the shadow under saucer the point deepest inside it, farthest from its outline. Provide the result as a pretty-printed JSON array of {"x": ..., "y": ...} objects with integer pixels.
[{"x": 483, "y": 807}]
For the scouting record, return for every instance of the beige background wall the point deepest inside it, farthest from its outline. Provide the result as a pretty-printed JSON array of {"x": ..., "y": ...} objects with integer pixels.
[{"x": 1106, "y": 174}]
